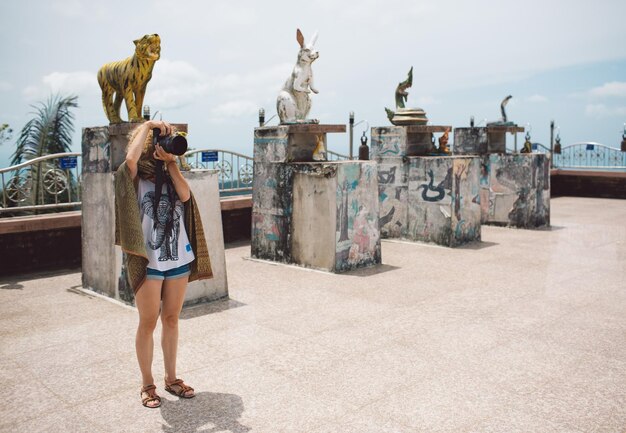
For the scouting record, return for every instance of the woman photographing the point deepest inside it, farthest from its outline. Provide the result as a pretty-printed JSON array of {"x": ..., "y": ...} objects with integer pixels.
[{"x": 159, "y": 229}]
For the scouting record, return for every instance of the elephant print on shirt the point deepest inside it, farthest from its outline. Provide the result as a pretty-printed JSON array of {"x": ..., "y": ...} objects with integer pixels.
[{"x": 167, "y": 242}]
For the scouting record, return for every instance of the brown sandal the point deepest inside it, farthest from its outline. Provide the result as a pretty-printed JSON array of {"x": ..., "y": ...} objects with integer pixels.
[
  {"x": 182, "y": 390},
  {"x": 151, "y": 396}
]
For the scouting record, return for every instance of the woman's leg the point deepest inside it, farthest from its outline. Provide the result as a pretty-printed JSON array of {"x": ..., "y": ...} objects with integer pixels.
[
  {"x": 148, "y": 302},
  {"x": 173, "y": 298}
]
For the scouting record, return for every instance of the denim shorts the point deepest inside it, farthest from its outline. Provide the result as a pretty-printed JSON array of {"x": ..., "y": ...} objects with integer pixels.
[{"x": 170, "y": 274}]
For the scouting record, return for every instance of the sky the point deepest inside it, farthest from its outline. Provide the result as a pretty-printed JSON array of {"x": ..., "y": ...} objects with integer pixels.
[{"x": 222, "y": 61}]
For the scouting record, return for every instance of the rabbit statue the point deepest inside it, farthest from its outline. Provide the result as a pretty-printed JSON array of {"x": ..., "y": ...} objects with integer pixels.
[{"x": 294, "y": 103}]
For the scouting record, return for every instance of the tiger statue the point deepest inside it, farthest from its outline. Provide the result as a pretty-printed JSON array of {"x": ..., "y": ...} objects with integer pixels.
[{"x": 128, "y": 78}]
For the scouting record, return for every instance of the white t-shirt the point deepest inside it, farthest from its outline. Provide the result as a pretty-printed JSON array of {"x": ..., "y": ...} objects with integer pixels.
[{"x": 165, "y": 250}]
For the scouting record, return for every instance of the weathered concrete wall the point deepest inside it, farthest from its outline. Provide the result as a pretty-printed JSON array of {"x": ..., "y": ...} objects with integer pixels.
[
  {"x": 425, "y": 198},
  {"x": 515, "y": 190},
  {"x": 443, "y": 200},
  {"x": 483, "y": 140},
  {"x": 335, "y": 215},
  {"x": 98, "y": 214},
  {"x": 316, "y": 214},
  {"x": 388, "y": 149},
  {"x": 314, "y": 220},
  {"x": 272, "y": 199},
  {"x": 357, "y": 228},
  {"x": 470, "y": 141},
  {"x": 205, "y": 187},
  {"x": 388, "y": 142}
]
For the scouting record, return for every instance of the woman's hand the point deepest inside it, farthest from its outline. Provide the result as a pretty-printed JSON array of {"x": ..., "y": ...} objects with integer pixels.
[
  {"x": 161, "y": 154},
  {"x": 163, "y": 127}
]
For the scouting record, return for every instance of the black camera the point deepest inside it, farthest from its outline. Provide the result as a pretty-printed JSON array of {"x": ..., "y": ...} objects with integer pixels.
[{"x": 175, "y": 143}]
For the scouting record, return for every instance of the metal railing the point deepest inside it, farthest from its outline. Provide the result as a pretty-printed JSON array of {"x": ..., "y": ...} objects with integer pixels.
[
  {"x": 585, "y": 156},
  {"x": 42, "y": 183},
  {"x": 590, "y": 155},
  {"x": 334, "y": 156},
  {"x": 235, "y": 170}
]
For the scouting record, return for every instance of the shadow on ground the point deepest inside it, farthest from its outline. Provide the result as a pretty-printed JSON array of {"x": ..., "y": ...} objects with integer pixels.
[
  {"x": 210, "y": 308},
  {"x": 222, "y": 411},
  {"x": 373, "y": 270},
  {"x": 477, "y": 245}
]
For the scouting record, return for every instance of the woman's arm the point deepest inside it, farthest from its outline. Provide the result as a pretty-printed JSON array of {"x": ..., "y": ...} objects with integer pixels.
[
  {"x": 135, "y": 148},
  {"x": 180, "y": 183}
]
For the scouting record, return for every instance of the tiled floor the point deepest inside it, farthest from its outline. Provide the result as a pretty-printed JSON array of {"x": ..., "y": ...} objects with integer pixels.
[{"x": 523, "y": 333}]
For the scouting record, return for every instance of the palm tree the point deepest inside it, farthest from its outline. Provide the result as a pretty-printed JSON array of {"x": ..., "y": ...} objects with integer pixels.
[{"x": 49, "y": 131}]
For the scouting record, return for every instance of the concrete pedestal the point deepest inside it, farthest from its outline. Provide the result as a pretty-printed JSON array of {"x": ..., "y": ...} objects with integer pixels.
[
  {"x": 515, "y": 190},
  {"x": 430, "y": 199},
  {"x": 443, "y": 200},
  {"x": 413, "y": 140},
  {"x": 425, "y": 198},
  {"x": 322, "y": 215},
  {"x": 102, "y": 264},
  {"x": 482, "y": 140}
]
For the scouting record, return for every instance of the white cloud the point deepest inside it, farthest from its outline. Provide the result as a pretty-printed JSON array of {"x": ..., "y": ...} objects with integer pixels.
[
  {"x": 5, "y": 86},
  {"x": 601, "y": 110},
  {"x": 607, "y": 90},
  {"x": 537, "y": 99},
  {"x": 177, "y": 83},
  {"x": 233, "y": 109},
  {"x": 79, "y": 83}
]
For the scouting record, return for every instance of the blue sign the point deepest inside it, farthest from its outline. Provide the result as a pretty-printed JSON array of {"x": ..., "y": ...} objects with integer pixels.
[
  {"x": 590, "y": 147},
  {"x": 209, "y": 156},
  {"x": 67, "y": 162},
  {"x": 535, "y": 146}
]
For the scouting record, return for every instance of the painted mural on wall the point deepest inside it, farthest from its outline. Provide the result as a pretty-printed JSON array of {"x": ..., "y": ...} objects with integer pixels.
[
  {"x": 96, "y": 149},
  {"x": 429, "y": 199},
  {"x": 443, "y": 200},
  {"x": 271, "y": 211},
  {"x": 357, "y": 229},
  {"x": 393, "y": 197},
  {"x": 515, "y": 190},
  {"x": 388, "y": 142}
]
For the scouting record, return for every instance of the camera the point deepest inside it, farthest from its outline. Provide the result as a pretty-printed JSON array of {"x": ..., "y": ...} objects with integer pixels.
[{"x": 175, "y": 143}]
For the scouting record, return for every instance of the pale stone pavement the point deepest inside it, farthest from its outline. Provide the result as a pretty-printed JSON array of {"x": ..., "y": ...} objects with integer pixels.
[{"x": 525, "y": 332}]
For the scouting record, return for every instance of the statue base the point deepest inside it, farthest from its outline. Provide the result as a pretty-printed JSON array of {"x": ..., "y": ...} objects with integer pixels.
[
  {"x": 425, "y": 198},
  {"x": 515, "y": 190},
  {"x": 409, "y": 116},
  {"x": 322, "y": 215},
  {"x": 413, "y": 140},
  {"x": 482, "y": 140}
]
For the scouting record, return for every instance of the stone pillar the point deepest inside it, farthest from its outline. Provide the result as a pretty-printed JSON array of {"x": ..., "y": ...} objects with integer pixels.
[
  {"x": 335, "y": 215},
  {"x": 515, "y": 190},
  {"x": 425, "y": 198},
  {"x": 482, "y": 140},
  {"x": 308, "y": 211},
  {"x": 99, "y": 269},
  {"x": 443, "y": 200},
  {"x": 205, "y": 187}
]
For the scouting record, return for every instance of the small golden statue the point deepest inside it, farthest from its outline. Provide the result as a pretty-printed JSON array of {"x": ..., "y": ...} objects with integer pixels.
[
  {"x": 128, "y": 78},
  {"x": 443, "y": 143}
]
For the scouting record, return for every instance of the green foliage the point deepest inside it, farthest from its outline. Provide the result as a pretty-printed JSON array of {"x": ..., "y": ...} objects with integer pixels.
[
  {"x": 5, "y": 133},
  {"x": 49, "y": 131}
]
